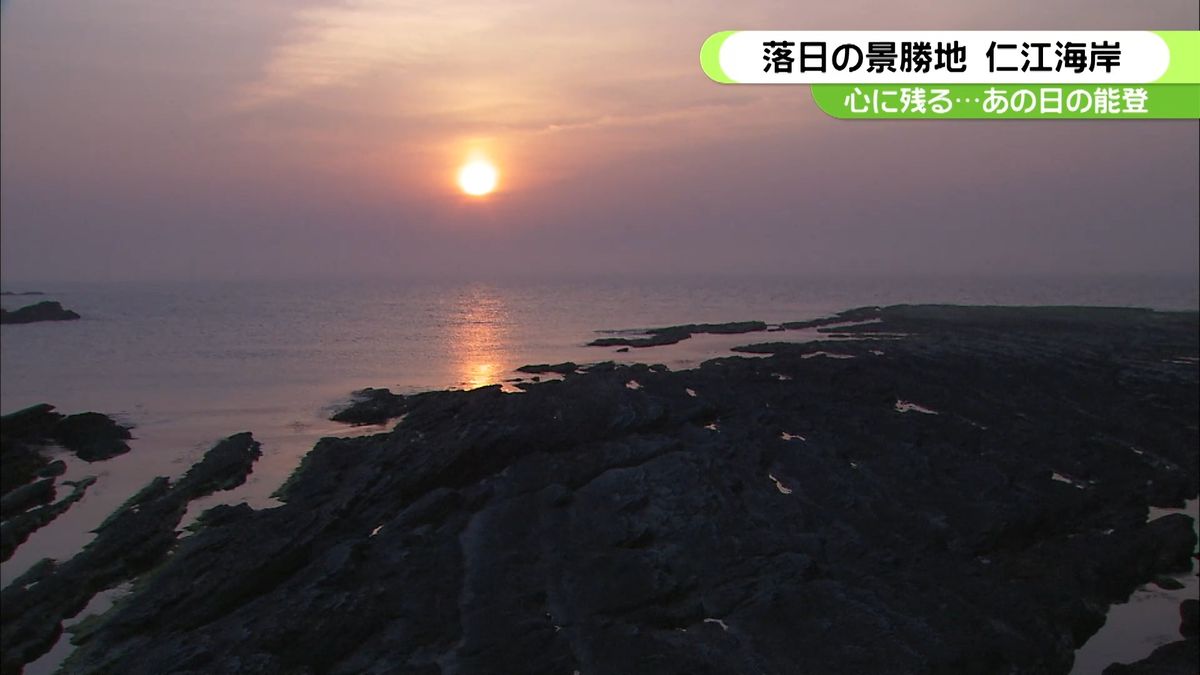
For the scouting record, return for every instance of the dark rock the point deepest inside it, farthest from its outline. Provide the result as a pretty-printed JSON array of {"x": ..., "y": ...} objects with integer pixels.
[
  {"x": 55, "y": 468},
  {"x": 20, "y": 463},
  {"x": 602, "y": 367},
  {"x": 92, "y": 437},
  {"x": 21, "y": 293},
  {"x": 767, "y": 524},
  {"x": 133, "y": 539},
  {"x": 731, "y": 328},
  {"x": 1174, "y": 658},
  {"x": 795, "y": 348},
  {"x": 224, "y": 467},
  {"x": 1176, "y": 539},
  {"x": 1189, "y": 618},
  {"x": 37, "y": 422},
  {"x": 670, "y": 335},
  {"x": 566, "y": 368},
  {"x": 15, "y": 529},
  {"x": 1168, "y": 583},
  {"x": 377, "y": 406},
  {"x": 848, "y": 316},
  {"x": 26, "y": 497},
  {"x": 371, "y": 406},
  {"x": 42, "y": 311},
  {"x": 222, "y": 514}
]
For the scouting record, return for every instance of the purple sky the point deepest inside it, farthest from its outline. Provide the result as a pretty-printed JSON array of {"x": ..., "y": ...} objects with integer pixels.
[{"x": 145, "y": 139}]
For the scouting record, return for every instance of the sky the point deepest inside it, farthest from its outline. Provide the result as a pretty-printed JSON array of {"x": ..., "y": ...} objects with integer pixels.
[{"x": 166, "y": 140}]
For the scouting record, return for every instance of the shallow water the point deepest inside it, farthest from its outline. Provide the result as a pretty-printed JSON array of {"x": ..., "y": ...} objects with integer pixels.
[
  {"x": 189, "y": 364},
  {"x": 1147, "y": 620}
]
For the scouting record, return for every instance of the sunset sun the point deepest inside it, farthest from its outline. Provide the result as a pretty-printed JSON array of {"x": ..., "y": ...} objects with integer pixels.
[{"x": 477, "y": 177}]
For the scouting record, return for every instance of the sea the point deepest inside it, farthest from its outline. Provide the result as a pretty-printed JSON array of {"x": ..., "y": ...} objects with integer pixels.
[{"x": 188, "y": 363}]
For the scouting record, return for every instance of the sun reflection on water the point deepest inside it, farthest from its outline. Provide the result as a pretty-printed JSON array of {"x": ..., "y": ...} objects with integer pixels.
[
  {"x": 481, "y": 375},
  {"x": 479, "y": 337}
]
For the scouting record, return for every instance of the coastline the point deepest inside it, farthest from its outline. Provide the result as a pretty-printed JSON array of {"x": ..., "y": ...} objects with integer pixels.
[{"x": 970, "y": 330}]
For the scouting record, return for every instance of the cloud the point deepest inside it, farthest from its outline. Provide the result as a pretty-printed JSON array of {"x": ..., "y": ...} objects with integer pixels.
[{"x": 339, "y": 46}]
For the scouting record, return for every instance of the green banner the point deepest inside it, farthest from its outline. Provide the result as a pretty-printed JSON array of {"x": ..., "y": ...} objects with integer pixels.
[
  {"x": 1184, "y": 46},
  {"x": 1009, "y": 101}
]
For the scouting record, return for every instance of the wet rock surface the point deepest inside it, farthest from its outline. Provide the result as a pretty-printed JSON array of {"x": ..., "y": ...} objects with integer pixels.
[
  {"x": 967, "y": 498},
  {"x": 42, "y": 311},
  {"x": 133, "y": 539}
]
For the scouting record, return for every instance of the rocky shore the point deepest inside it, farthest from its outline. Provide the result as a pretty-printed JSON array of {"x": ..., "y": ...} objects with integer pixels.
[
  {"x": 931, "y": 490},
  {"x": 28, "y": 475},
  {"x": 25, "y": 434},
  {"x": 134, "y": 539}
]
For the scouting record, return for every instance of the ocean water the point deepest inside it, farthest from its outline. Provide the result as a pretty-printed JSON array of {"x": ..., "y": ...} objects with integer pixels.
[{"x": 190, "y": 363}]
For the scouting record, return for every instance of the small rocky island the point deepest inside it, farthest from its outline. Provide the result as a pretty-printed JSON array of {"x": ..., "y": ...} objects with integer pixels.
[
  {"x": 929, "y": 490},
  {"x": 47, "y": 310}
]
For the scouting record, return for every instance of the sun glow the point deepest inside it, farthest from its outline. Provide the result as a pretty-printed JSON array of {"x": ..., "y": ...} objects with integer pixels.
[{"x": 478, "y": 177}]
